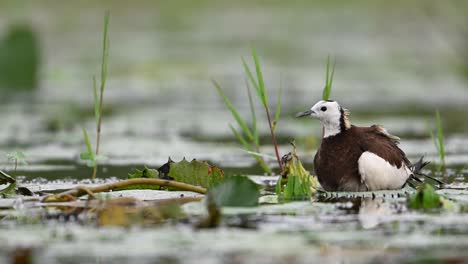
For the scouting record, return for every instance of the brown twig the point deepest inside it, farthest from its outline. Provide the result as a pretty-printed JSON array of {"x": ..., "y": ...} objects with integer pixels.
[{"x": 80, "y": 190}]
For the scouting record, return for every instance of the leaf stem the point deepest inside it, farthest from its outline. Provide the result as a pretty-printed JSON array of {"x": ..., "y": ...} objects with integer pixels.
[{"x": 275, "y": 144}]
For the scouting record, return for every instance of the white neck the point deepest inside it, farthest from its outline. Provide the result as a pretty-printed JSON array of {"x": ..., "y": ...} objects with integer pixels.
[{"x": 330, "y": 129}]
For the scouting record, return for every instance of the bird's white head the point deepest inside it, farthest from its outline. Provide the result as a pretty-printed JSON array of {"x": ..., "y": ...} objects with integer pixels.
[{"x": 333, "y": 117}]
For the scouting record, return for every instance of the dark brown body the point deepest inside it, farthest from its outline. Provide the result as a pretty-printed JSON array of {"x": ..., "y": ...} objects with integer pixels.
[{"x": 336, "y": 161}]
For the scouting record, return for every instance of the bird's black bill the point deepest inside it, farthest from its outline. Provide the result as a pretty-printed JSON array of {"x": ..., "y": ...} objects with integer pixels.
[{"x": 305, "y": 113}]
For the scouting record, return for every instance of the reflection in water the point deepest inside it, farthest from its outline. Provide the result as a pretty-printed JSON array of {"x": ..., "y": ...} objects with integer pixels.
[
  {"x": 370, "y": 211},
  {"x": 373, "y": 211}
]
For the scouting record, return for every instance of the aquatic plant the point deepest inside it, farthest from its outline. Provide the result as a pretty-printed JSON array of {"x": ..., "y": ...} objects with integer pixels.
[
  {"x": 92, "y": 159},
  {"x": 18, "y": 158},
  {"x": 250, "y": 138},
  {"x": 199, "y": 173},
  {"x": 238, "y": 191},
  {"x": 295, "y": 183},
  {"x": 439, "y": 140},
  {"x": 426, "y": 199}
]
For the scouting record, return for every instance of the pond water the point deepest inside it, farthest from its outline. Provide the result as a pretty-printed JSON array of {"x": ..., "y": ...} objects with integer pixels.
[{"x": 396, "y": 64}]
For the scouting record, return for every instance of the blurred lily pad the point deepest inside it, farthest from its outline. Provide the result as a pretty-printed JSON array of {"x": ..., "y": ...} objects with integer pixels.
[
  {"x": 237, "y": 191},
  {"x": 426, "y": 198}
]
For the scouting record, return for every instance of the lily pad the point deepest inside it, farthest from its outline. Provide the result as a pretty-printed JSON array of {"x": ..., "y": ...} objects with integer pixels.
[
  {"x": 196, "y": 173},
  {"x": 426, "y": 198},
  {"x": 237, "y": 191}
]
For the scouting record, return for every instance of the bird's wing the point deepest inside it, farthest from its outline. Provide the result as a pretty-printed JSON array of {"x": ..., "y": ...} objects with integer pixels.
[
  {"x": 377, "y": 140},
  {"x": 382, "y": 165}
]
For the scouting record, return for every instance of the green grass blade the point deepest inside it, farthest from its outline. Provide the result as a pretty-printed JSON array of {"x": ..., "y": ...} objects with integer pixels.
[
  {"x": 250, "y": 149},
  {"x": 234, "y": 112},
  {"x": 278, "y": 105},
  {"x": 261, "y": 84},
  {"x": 96, "y": 101},
  {"x": 328, "y": 80},
  {"x": 105, "y": 52},
  {"x": 327, "y": 73},
  {"x": 254, "y": 116},
  {"x": 240, "y": 138},
  {"x": 436, "y": 143},
  {"x": 251, "y": 77},
  {"x": 440, "y": 136},
  {"x": 88, "y": 143}
]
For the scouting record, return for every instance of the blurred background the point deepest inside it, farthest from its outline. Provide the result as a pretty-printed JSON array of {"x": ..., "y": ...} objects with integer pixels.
[{"x": 396, "y": 63}]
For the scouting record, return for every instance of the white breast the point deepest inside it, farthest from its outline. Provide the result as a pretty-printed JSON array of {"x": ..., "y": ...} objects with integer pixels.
[{"x": 379, "y": 174}]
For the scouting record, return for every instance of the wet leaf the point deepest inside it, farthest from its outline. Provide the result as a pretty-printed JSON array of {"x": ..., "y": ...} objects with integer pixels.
[
  {"x": 426, "y": 198},
  {"x": 7, "y": 179},
  {"x": 237, "y": 191},
  {"x": 296, "y": 183},
  {"x": 145, "y": 173},
  {"x": 196, "y": 173}
]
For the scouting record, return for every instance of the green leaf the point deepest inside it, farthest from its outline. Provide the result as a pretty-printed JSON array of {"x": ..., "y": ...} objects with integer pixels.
[
  {"x": 250, "y": 75},
  {"x": 105, "y": 53},
  {"x": 196, "y": 173},
  {"x": 440, "y": 137},
  {"x": 254, "y": 116},
  {"x": 234, "y": 112},
  {"x": 96, "y": 101},
  {"x": 145, "y": 173},
  {"x": 300, "y": 185},
  {"x": 86, "y": 156},
  {"x": 17, "y": 156},
  {"x": 5, "y": 178},
  {"x": 240, "y": 138},
  {"x": 238, "y": 191},
  {"x": 425, "y": 198},
  {"x": 89, "y": 156},
  {"x": 436, "y": 144}
]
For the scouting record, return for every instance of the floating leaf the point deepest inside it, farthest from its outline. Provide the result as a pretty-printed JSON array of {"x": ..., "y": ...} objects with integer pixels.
[
  {"x": 237, "y": 191},
  {"x": 426, "y": 198},
  {"x": 145, "y": 173},
  {"x": 196, "y": 173}
]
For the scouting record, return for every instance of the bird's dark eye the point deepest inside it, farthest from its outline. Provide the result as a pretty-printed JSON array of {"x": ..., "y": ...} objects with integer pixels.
[{"x": 324, "y": 108}]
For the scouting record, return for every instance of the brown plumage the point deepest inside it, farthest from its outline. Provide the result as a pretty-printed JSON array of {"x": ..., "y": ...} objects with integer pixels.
[
  {"x": 336, "y": 161},
  {"x": 352, "y": 158}
]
